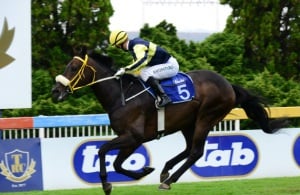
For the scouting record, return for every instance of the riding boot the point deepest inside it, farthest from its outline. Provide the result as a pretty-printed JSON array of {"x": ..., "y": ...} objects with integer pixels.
[{"x": 164, "y": 99}]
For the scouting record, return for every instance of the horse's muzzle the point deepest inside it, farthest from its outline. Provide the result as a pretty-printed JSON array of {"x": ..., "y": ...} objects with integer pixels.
[{"x": 59, "y": 93}]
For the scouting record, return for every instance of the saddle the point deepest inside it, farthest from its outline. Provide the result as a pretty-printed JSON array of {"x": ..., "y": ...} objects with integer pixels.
[{"x": 179, "y": 88}]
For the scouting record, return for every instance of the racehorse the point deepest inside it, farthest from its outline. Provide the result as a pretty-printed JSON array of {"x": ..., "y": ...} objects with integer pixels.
[{"x": 133, "y": 114}]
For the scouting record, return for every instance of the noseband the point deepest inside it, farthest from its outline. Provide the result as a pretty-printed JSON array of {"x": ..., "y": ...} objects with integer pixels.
[{"x": 80, "y": 74}]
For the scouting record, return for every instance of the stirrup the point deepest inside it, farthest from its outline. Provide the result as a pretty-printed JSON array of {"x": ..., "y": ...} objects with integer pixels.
[{"x": 161, "y": 102}]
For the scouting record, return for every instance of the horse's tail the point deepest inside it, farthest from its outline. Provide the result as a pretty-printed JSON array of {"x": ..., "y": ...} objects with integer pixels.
[{"x": 254, "y": 107}]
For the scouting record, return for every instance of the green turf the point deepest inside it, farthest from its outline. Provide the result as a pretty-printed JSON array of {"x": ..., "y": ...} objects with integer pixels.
[{"x": 266, "y": 186}]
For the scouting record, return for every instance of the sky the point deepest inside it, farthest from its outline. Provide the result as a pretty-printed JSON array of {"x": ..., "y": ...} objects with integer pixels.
[{"x": 131, "y": 15}]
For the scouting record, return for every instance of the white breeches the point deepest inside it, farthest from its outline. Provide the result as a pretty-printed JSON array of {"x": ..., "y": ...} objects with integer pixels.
[{"x": 161, "y": 71}]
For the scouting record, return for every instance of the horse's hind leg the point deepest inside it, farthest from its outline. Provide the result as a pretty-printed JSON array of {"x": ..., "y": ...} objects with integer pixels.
[
  {"x": 184, "y": 154},
  {"x": 204, "y": 123},
  {"x": 195, "y": 153}
]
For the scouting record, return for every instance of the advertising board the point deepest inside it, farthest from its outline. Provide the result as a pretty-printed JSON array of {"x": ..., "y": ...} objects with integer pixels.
[
  {"x": 20, "y": 165},
  {"x": 15, "y": 54},
  {"x": 245, "y": 154}
]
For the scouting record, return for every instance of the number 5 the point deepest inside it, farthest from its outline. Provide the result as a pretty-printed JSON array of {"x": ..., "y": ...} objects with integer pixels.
[{"x": 183, "y": 92}]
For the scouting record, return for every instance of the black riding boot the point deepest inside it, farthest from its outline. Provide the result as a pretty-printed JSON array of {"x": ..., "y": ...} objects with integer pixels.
[{"x": 163, "y": 98}]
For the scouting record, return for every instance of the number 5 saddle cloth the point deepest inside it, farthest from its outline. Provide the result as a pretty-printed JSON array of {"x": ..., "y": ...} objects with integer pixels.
[{"x": 179, "y": 88}]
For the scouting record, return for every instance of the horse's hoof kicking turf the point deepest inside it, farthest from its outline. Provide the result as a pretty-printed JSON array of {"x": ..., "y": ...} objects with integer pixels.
[{"x": 164, "y": 186}]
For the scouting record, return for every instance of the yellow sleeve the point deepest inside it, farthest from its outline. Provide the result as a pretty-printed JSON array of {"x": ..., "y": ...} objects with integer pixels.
[{"x": 140, "y": 52}]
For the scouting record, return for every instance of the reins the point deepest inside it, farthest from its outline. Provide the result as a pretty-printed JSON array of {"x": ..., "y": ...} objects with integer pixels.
[
  {"x": 137, "y": 94},
  {"x": 73, "y": 82}
]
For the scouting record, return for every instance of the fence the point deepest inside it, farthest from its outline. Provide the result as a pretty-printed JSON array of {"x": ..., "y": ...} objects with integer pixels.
[
  {"x": 32, "y": 164},
  {"x": 56, "y": 126},
  {"x": 99, "y": 125}
]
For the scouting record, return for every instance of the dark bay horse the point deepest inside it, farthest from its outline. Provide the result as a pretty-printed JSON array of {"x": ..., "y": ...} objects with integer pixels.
[{"x": 135, "y": 120}]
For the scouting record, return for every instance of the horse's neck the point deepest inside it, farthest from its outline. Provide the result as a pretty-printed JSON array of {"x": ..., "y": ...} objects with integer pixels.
[{"x": 107, "y": 93}]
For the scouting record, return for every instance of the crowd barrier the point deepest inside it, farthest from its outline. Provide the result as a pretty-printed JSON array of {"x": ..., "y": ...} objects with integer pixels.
[
  {"x": 67, "y": 159},
  {"x": 99, "y": 125},
  {"x": 55, "y": 126}
]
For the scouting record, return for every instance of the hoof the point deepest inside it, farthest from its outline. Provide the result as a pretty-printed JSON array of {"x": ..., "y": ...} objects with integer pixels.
[
  {"x": 148, "y": 170},
  {"x": 107, "y": 187},
  {"x": 164, "y": 186},
  {"x": 163, "y": 177}
]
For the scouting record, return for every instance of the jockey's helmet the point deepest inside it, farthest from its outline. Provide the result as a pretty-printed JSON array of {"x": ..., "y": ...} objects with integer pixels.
[{"x": 117, "y": 37}]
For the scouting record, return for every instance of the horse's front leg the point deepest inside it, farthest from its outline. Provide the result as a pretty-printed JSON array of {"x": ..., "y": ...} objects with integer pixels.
[
  {"x": 107, "y": 187},
  {"x": 127, "y": 144},
  {"x": 116, "y": 143},
  {"x": 122, "y": 156}
]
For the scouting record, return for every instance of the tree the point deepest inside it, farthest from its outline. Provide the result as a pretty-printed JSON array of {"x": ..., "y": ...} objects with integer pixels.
[
  {"x": 222, "y": 50},
  {"x": 59, "y": 25},
  {"x": 270, "y": 29},
  {"x": 187, "y": 54}
]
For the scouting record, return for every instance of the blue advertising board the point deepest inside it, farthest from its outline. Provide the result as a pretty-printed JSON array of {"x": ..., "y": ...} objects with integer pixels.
[
  {"x": 230, "y": 155},
  {"x": 86, "y": 162},
  {"x": 20, "y": 165},
  {"x": 296, "y": 150}
]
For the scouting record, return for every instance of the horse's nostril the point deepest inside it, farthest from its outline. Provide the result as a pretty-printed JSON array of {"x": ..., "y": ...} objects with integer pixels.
[{"x": 54, "y": 90}]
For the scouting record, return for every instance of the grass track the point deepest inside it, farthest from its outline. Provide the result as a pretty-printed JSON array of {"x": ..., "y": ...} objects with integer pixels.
[{"x": 266, "y": 186}]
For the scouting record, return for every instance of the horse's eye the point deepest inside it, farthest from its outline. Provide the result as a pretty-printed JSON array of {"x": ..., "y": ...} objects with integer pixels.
[{"x": 74, "y": 68}]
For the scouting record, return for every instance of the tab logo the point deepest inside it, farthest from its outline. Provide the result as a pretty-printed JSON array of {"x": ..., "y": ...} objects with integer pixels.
[
  {"x": 296, "y": 150},
  {"x": 17, "y": 166},
  {"x": 87, "y": 167},
  {"x": 232, "y": 155}
]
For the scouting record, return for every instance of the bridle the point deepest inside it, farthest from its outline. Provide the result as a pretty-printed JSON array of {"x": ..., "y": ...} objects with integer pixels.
[
  {"x": 80, "y": 74},
  {"x": 72, "y": 83}
]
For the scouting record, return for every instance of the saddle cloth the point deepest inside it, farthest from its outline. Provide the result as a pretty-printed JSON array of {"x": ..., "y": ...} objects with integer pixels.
[{"x": 179, "y": 88}]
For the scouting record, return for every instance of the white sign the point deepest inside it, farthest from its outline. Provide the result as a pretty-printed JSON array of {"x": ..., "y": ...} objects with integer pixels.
[
  {"x": 243, "y": 155},
  {"x": 15, "y": 54}
]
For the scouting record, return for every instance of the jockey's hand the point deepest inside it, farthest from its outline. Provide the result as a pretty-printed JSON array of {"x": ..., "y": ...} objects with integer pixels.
[{"x": 120, "y": 72}]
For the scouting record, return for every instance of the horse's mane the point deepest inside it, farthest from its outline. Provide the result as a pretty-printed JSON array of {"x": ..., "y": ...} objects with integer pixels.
[
  {"x": 82, "y": 50},
  {"x": 105, "y": 60},
  {"x": 102, "y": 59}
]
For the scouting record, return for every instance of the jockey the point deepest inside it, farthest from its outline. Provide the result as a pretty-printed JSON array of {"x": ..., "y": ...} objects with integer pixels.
[{"x": 150, "y": 62}]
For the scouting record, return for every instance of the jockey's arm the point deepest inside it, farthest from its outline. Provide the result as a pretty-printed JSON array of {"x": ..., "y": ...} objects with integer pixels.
[{"x": 140, "y": 52}]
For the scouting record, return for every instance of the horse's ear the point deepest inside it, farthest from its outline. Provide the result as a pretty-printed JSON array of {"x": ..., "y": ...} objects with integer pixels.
[{"x": 80, "y": 50}]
